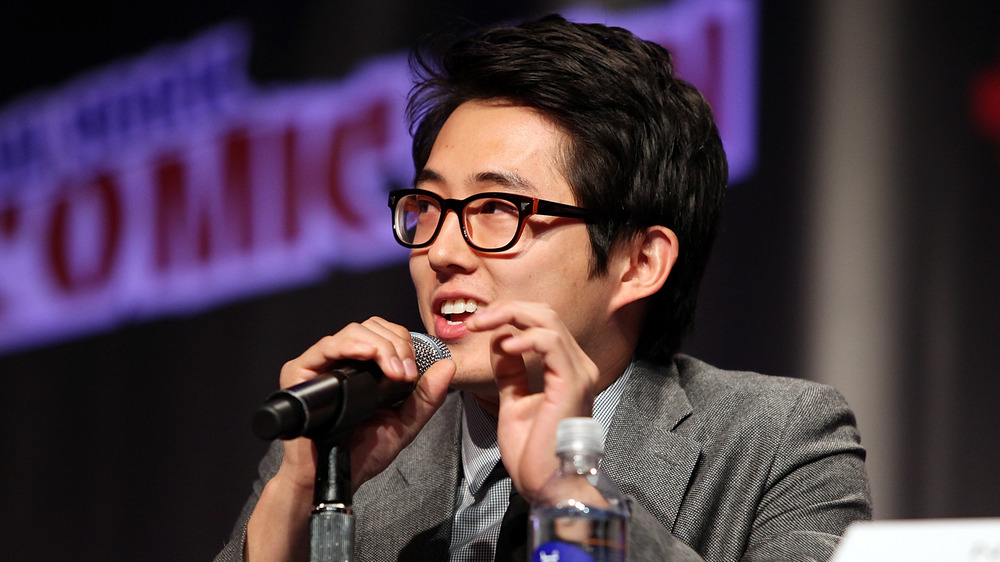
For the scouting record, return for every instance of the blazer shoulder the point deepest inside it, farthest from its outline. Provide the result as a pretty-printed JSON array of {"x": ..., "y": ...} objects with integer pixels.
[
  {"x": 728, "y": 402},
  {"x": 705, "y": 384}
]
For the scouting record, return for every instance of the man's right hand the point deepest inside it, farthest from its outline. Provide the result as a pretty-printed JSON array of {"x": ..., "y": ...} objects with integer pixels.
[{"x": 278, "y": 528}]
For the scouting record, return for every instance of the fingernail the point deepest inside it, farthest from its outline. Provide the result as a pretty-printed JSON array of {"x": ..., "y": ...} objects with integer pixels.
[
  {"x": 411, "y": 371},
  {"x": 397, "y": 366}
]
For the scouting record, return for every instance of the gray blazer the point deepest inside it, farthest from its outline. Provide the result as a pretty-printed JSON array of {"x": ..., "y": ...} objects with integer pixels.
[{"x": 717, "y": 466}]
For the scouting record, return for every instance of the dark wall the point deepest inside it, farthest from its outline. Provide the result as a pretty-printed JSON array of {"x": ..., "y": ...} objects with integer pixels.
[{"x": 952, "y": 302}]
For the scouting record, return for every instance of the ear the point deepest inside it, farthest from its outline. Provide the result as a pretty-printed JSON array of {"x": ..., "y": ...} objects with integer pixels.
[{"x": 643, "y": 265}]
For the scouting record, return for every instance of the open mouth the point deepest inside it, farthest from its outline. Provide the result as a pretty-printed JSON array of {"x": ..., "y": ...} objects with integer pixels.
[{"x": 455, "y": 311}]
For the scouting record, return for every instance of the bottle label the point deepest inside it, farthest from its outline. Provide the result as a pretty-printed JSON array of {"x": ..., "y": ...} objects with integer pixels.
[{"x": 558, "y": 551}]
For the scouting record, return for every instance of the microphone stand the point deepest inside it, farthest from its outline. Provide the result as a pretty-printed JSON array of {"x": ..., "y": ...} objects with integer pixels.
[{"x": 331, "y": 524}]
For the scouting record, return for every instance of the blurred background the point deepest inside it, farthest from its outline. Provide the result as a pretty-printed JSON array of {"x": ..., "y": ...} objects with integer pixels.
[{"x": 192, "y": 193}]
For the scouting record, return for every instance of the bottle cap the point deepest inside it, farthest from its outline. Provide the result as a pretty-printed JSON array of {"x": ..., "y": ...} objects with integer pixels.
[{"x": 580, "y": 434}]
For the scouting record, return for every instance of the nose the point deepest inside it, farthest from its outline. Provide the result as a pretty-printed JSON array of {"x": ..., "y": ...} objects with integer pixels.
[{"x": 449, "y": 250}]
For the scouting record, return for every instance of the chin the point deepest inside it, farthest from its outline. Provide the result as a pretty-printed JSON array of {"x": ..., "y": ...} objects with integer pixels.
[{"x": 483, "y": 386}]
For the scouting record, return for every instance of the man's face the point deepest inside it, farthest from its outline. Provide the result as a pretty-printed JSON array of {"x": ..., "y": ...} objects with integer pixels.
[{"x": 486, "y": 146}]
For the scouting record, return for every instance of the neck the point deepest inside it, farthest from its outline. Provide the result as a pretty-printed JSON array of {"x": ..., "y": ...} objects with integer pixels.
[{"x": 490, "y": 401}]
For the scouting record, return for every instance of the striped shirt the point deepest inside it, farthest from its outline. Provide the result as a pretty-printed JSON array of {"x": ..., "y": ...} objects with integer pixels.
[{"x": 484, "y": 487}]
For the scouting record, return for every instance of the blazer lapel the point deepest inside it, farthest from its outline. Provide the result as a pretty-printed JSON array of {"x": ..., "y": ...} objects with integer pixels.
[
  {"x": 642, "y": 454},
  {"x": 405, "y": 513}
]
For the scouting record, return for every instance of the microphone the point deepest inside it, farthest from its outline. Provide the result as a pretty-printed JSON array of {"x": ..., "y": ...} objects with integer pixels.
[{"x": 339, "y": 399}]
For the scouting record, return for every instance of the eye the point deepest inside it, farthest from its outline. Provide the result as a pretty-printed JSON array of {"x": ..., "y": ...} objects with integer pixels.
[
  {"x": 416, "y": 205},
  {"x": 496, "y": 206}
]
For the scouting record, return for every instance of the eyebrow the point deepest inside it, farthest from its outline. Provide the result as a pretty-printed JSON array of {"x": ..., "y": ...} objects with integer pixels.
[
  {"x": 507, "y": 179},
  {"x": 426, "y": 175}
]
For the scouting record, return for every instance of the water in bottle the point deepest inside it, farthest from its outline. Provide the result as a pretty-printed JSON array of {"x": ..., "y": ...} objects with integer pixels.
[{"x": 579, "y": 516}]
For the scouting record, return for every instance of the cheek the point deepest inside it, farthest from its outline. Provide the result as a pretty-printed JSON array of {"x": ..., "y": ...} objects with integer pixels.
[
  {"x": 419, "y": 267},
  {"x": 554, "y": 282},
  {"x": 552, "y": 271},
  {"x": 419, "y": 275}
]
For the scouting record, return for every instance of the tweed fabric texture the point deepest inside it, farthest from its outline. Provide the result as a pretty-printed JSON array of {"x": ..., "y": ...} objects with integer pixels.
[{"x": 717, "y": 465}]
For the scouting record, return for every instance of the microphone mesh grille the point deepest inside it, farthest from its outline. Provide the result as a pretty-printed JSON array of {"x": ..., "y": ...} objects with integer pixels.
[{"x": 429, "y": 350}]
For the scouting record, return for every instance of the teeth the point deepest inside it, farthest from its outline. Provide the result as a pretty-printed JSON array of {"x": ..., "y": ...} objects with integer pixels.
[{"x": 458, "y": 306}]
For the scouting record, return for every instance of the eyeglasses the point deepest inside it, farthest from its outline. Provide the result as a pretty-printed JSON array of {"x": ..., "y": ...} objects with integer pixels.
[{"x": 491, "y": 222}]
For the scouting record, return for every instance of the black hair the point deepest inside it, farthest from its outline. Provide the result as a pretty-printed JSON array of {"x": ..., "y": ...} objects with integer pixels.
[{"x": 644, "y": 148}]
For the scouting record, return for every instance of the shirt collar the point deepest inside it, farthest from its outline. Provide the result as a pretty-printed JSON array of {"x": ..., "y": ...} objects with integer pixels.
[{"x": 480, "y": 452}]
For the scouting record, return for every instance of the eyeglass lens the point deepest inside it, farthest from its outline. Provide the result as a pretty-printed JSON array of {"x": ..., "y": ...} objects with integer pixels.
[{"x": 489, "y": 223}]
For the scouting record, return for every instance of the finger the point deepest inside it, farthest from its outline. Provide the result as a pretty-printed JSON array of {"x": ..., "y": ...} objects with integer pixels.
[
  {"x": 347, "y": 343},
  {"x": 376, "y": 443},
  {"x": 536, "y": 329},
  {"x": 354, "y": 342},
  {"x": 523, "y": 330},
  {"x": 402, "y": 363},
  {"x": 509, "y": 370},
  {"x": 561, "y": 357},
  {"x": 520, "y": 315},
  {"x": 429, "y": 393},
  {"x": 405, "y": 421}
]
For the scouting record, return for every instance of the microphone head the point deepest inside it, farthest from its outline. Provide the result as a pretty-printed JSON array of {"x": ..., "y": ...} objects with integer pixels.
[{"x": 429, "y": 350}]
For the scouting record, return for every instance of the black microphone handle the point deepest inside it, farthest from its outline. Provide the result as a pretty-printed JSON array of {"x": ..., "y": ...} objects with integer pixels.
[{"x": 338, "y": 400}]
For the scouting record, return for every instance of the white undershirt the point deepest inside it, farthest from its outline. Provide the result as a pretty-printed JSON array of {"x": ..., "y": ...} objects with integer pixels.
[{"x": 484, "y": 490}]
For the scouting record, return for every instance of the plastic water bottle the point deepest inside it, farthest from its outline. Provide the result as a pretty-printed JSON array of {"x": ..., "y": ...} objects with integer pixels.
[{"x": 580, "y": 515}]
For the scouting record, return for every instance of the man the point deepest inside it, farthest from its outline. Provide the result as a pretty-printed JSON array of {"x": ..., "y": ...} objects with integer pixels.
[{"x": 567, "y": 192}]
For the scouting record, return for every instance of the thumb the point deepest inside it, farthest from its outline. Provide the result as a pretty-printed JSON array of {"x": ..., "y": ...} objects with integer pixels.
[{"x": 429, "y": 394}]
